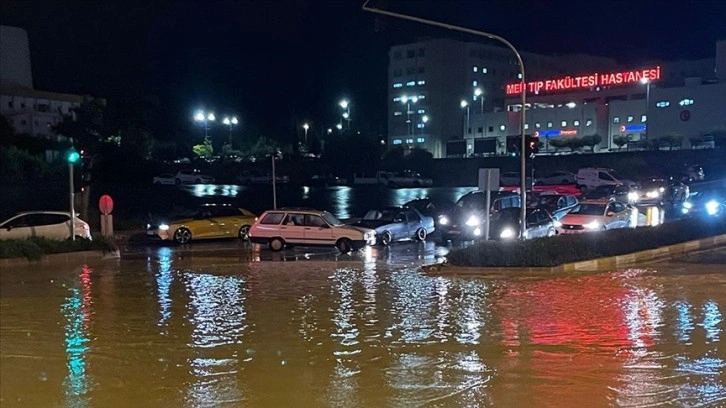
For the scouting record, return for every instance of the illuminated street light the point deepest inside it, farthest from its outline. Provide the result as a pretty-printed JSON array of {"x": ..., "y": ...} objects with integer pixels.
[
  {"x": 479, "y": 93},
  {"x": 646, "y": 82},
  {"x": 424, "y": 121},
  {"x": 571, "y": 105},
  {"x": 230, "y": 123},
  {"x": 465, "y": 104},
  {"x": 408, "y": 101},
  {"x": 306, "y": 127},
  {"x": 205, "y": 118},
  {"x": 346, "y": 115}
]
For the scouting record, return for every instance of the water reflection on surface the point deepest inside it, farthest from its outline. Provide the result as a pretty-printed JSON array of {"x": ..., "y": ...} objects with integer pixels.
[{"x": 173, "y": 330}]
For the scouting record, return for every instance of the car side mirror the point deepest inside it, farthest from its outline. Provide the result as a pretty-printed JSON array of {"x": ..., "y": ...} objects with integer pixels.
[
  {"x": 610, "y": 214},
  {"x": 398, "y": 220}
]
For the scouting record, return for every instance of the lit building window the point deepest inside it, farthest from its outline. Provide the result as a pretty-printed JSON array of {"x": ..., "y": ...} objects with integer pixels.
[
  {"x": 549, "y": 124},
  {"x": 662, "y": 104},
  {"x": 422, "y": 97},
  {"x": 421, "y": 83},
  {"x": 483, "y": 70},
  {"x": 421, "y": 111},
  {"x": 411, "y": 83},
  {"x": 398, "y": 85},
  {"x": 526, "y": 126},
  {"x": 536, "y": 125},
  {"x": 409, "y": 140},
  {"x": 563, "y": 123},
  {"x": 420, "y": 125},
  {"x": 396, "y": 141},
  {"x": 686, "y": 102},
  {"x": 476, "y": 69},
  {"x": 519, "y": 76},
  {"x": 397, "y": 99},
  {"x": 397, "y": 113},
  {"x": 576, "y": 123},
  {"x": 502, "y": 128},
  {"x": 588, "y": 122},
  {"x": 643, "y": 118},
  {"x": 474, "y": 83},
  {"x": 420, "y": 140},
  {"x": 616, "y": 119},
  {"x": 630, "y": 119}
]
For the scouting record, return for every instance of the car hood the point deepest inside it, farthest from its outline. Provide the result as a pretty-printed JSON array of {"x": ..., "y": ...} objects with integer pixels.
[
  {"x": 355, "y": 228},
  {"x": 580, "y": 219}
]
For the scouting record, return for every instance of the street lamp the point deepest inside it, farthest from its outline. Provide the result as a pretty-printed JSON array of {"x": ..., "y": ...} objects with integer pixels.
[
  {"x": 205, "y": 118},
  {"x": 346, "y": 106},
  {"x": 523, "y": 89},
  {"x": 424, "y": 120},
  {"x": 465, "y": 104},
  {"x": 306, "y": 127},
  {"x": 72, "y": 157},
  {"x": 408, "y": 101},
  {"x": 230, "y": 122},
  {"x": 646, "y": 81},
  {"x": 479, "y": 93}
]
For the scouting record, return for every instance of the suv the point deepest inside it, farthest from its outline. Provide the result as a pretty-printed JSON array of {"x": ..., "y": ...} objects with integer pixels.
[
  {"x": 465, "y": 220},
  {"x": 292, "y": 226}
]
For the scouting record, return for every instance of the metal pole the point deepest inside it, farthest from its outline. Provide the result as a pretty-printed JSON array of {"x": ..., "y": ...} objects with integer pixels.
[
  {"x": 468, "y": 125},
  {"x": 647, "y": 105},
  {"x": 274, "y": 192},
  {"x": 487, "y": 216},
  {"x": 523, "y": 162},
  {"x": 73, "y": 197}
]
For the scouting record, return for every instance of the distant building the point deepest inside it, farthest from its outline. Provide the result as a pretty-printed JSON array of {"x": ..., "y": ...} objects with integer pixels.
[
  {"x": 569, "y": 96},
  {"x": 28, "y": 110}
]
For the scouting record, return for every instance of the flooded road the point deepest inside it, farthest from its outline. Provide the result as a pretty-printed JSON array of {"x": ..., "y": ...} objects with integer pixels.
[{"x": 167, "y": 329}]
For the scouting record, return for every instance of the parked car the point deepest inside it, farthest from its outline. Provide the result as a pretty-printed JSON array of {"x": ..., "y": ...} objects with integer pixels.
[
  {"x": 708, "y": 203},
  {"x": 255, "y": 176},
  {"x": 620, "y": 192},
  {"x": 512, "y": 178},
  {"x": 557, "y": 205},
  {"x": 433, "y": 207},
  {"x": 661, "y": 191},
  {"x": 306, "y": 227},
  {"x": 326, "y": 180},
  {"x": 192, "y": 176},
  {"x": 397, "y": 223},
  {"x": 45, "y": 224},
  {"x": 505, "y": 224},
  {"x": 558, "y": 177},
  {"x": 593, "y": 177},
  {"x": 691, "y": 173},
  {"x": 465, "y": 219},
  {"x": 211, "y": 221},
  {"x": 598, "y": 215},
  {"x": 165, "y": 178}
]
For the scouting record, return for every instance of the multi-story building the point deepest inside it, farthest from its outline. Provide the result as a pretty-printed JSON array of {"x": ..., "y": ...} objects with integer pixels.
[
  {"x": 28, "y": 110},
  {"x": 438, "y": 86}
]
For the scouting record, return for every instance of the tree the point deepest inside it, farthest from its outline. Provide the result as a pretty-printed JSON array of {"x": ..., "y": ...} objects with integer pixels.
[
  {"x": 574, "y": 143},
  {"x": 85, "y": 126},
  {"x": 559, "y": 143},
  {"x": 591, "y": 141},
  {"x": 203, "y": 150},
  {"x": 621, "y": 141}
]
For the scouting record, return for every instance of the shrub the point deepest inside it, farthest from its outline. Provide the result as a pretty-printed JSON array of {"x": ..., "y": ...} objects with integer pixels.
[
  {"x": 34, "y": 248},
  {"x": 553, "y": 251}
]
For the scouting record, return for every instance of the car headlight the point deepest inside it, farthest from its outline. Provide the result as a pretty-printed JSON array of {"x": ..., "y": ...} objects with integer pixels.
[
  {"x": 148, "y": 226},
  {"x": 443, "y": 220},
  {"x": 632, "y": 196},
  {"x": 557, "y": 224},
  {"x": 653, "y": 194},
  {"x": 688, "y": 205},
  {"x": 507, "y": 233},
  {"x": 473, "y": 221},
  {"x": 163, "y": 227},
  {"x": 712, "y": 207},
  {"x": 592, "y": 225}
]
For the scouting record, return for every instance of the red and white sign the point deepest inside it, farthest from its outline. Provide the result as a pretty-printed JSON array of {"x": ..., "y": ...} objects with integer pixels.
[
  {"x": 586, "y": 81},
  {"x": 105, "y": 204}
]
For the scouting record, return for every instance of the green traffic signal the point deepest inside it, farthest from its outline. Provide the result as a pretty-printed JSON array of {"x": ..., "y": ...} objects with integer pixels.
[{"x": 73, "y": 156}]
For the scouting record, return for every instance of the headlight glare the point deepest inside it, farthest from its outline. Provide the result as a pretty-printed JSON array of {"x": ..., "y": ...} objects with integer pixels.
[
  {"x": 712, "y": 207},
  {"x": 592, "y": 225},
  {"x": 163, "y": 227},
  {"x": 507, "y": 233},
  {"x": 472, "y": 221},
  {"x": 443, "y": 220}
]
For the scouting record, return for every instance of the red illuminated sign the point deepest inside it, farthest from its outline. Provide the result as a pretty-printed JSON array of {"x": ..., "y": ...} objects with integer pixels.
[{"x": 586, "y": 81}]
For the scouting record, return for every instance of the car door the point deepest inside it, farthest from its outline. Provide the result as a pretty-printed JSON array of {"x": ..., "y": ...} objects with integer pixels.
[
  {"x": 532, "y": 225},
  {"x": 293, "y": 228},
  {"x": 413, "y": 223},
  {"x": 317, "y": 231},
  {"x": 226, "y": 221},
  {"x": 18, "y": 227},
  {"x": 53, "y": 226}
]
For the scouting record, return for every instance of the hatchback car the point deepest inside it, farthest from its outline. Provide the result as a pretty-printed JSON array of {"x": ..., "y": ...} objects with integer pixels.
[
  {"x": 598, "y": 215},
  {"x": 46, "y": 224},
  {"x": 397, "y": 223},
  {"x": 192, "y": 177},
  {"x": 211, "y": 221},
  {"x": 166, "y": 178},
  {"x": 506, "y": 224},
  {"x": 307, "y": 227}
]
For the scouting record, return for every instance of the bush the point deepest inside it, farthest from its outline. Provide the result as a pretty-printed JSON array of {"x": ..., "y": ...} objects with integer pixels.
[
  {"x": 34, "y": 248},
  {"x": 553, "y": 251}
]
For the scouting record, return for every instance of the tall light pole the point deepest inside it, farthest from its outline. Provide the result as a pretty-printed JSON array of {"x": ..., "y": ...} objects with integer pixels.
[
  {"x": 480, "y": 94},
  {"x": 346, "y": 107},
  {"x": 465, "y": 104},
  {"x": 424, "y": 120},
  {"x": 205, "y": 118},
  {"x": 646, "y": 81},
  {"x": 306, "y": 127},
  {"x": 523, "y": 85},
  {"x": 230, "y": 122},
  {"x": 408, "y": 101},
  {"x": 72, "y": 159}
]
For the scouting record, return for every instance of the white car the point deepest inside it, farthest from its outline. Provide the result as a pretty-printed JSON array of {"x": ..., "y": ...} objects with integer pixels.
[
  {"x": 166, "y": 178},
  {"x": 288, "y": 227},
  {"x": 46, "y": 224},
  {"x": 558, "y": 177},
  {"x": 256, "y": 176},
  {"x": 192, "y": 177},
  {"x": 598, "y": 215}
]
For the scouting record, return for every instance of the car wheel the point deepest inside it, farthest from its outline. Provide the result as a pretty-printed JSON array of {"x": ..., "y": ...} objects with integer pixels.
[
  {"x": 244, "y": 232},
  {"x": 386, "y": 238},
  {"x": 276, "y": 244},
  {"x": 344, "y": 245},
  {"x": 177, "y": 181},
  {"x": 421, "y": 234},
  {"x": 182, "y": 236},
  {"x": 551, "y": 232}
]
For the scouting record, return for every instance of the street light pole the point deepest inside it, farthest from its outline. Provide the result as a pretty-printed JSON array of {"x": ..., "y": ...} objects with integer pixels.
[
  {"x": 465, "y": 104},
  {"x": 522, "y": 156},
  {"x": 480, "y": 94},
  {"x": 306, "y": 127},
  {"x": 424, "y": 120},
  {"x": 646, "y": 81},
  {"x": 346, "y": 106},
  {"x": 230, "y": 122}
]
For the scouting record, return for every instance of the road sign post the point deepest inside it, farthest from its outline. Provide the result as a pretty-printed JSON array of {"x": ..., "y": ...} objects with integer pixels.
[
  {"x": 105, "y": 205},
  {"x": 488, "y": 182}
]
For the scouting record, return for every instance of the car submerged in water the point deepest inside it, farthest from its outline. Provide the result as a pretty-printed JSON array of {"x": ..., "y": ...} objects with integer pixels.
[
  {"x": 598, "y": 215},
  {"x": 211, "y": 221},
  {"x": 397, "y": 223}
]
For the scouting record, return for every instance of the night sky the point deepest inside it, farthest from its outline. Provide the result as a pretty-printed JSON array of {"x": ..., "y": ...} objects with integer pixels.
[{"x": 278, "y": 63}]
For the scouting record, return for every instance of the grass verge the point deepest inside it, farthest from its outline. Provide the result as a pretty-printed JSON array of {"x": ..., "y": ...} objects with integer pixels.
[
  {"x": 562, "y": 249},
  {"x": 36, "y": 247}
]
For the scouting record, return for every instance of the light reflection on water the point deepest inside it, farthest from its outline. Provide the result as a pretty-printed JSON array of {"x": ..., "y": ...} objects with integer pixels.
[{"x": 174, "y": 331}]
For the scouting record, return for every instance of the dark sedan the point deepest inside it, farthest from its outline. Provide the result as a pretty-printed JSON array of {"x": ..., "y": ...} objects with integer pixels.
[
  {"x": 505, "y": 224},
  {"x": 431, "y": 206},
  {"x": 397, "y": 223},
  {"x": 620, "y": 192},
  {"x": 556, "y": 204}
]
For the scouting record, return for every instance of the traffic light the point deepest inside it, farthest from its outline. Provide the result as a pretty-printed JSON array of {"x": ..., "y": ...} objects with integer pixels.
[
  {"x": 73, "y": 156},
  {"x": 532, "y": 145}
]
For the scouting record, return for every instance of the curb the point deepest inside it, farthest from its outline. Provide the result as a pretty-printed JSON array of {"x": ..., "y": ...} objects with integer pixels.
[
  {"x": 67, "y": 257},
  {"x": 593, "y": 265}
]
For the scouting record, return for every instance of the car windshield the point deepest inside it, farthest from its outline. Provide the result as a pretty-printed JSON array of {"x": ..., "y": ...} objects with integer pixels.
[
  {"x": 589, "y": 209},
  {"x": 330, "y": 219},
  {"x": 382, "y": 215},
  {"x": 653, "y": 184},
  {"x": 472, "y": 201}
]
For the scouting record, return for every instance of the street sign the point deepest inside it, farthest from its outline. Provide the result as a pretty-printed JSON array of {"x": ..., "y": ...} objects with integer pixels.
[
  {"x": 489, "y": 179},
  {"x": 105, "y": 204}
]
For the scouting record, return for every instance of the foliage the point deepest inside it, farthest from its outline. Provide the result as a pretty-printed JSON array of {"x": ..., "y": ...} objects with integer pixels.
[
  {"x": 203, "y": 150},
  {"x": 696, "y": 140},
  {"x": 17, "y": 164},
  {"x": 262, "y": 147},
  {"x": 558, "y": 143},
  {"x": 85, "y": 126},
  {"x": 591, "y": 141},
  {"x": 621, "y": 141},
  {"x": 547, "y": 252},
  {"x": 34, "y": 248},
  {"x": 719, "y": 137},
  {"x": 228, "y": 151}
]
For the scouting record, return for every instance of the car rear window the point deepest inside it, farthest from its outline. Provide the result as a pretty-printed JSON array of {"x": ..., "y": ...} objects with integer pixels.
[{"x": 272, "y": 218}]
